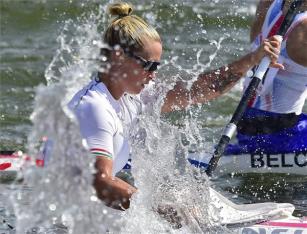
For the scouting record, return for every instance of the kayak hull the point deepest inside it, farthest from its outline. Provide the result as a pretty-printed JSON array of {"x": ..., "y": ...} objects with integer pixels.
[
  {"x": 227, "y": 164},
  {"x": 287, "y": 226},
  {"x": 287, "y": 163},
  {"x": 11, "y": 162}
]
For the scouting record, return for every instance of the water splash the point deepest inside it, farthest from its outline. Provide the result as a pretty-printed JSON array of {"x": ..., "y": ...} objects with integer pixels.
[
  {"x": 61, "y": 193},
  {"x": 61, "y": 198}
]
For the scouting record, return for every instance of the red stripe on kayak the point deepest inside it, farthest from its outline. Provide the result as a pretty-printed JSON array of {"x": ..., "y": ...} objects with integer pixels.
[
  {"x": 284, "y": 224},
  {"x": 9, "y": 156},
  {"x": 27, "y": 158},
  {"x": 4, "y": 166},
  {"x": 39, "y": 162}
]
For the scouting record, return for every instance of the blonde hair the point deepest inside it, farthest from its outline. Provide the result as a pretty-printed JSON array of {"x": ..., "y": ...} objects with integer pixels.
[{"x": 127, "y": 30}]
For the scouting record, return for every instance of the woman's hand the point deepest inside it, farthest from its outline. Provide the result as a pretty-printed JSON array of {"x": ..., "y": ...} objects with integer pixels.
[
  {"x": 170, "y": 214},
  {"x": 271, "y": 48},
  {"x": 113, "y": 191}
]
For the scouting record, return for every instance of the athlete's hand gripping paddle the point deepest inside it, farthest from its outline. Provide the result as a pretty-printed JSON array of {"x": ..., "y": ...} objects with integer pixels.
[{"x": 263, "y": 67}]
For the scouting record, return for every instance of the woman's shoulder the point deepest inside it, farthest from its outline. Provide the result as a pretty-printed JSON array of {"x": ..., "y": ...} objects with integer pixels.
[
  {"x": 296, "y": 42},
  {"x": 92, "y": 101},
  {"x": 148, "y": 95}
]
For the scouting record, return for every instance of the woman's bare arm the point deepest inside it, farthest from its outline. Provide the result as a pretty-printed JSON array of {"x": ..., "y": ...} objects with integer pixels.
[
  {"x": 210, "y": 85},
  {"x": 262, "y": 9},
  {"x": 115, "y": 192}
]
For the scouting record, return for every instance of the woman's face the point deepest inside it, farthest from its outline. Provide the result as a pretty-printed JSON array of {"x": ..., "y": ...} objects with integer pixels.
[{"x": 134, "y": 76}]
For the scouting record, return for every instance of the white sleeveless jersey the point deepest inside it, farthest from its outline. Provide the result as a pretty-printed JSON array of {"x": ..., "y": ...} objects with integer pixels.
[{"x": 282, "y": 91}]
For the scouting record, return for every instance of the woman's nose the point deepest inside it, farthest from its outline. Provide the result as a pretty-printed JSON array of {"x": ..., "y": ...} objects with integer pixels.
[{"x": 151, "y": 75}]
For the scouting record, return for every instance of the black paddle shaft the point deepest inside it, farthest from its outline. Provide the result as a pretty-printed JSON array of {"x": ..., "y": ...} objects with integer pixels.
[{"x": 249, "y": 92}]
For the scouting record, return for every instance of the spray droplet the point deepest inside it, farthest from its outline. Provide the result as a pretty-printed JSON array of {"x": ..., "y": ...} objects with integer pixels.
[
  {"x": 52, "y": 207},
  {"x": 94, "y": 198}
]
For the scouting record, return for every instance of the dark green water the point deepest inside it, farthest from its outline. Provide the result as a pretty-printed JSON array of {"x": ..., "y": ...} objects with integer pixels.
[{"x": 28, "y": 42}]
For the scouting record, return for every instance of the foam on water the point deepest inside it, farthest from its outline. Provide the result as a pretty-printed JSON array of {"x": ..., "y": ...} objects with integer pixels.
[{"x": 62, "y": 193}]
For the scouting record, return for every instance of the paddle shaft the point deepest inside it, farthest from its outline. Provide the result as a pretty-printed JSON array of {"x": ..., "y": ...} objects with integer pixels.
[{"x": 249, "y": 92}]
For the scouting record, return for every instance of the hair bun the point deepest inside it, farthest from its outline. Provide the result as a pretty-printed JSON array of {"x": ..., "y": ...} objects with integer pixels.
[{"x": 120, "y": 9}]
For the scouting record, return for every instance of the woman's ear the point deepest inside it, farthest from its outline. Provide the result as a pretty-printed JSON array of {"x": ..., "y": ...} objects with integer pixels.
[
  {"x": 105, "y": 53},
  {"x": 117, "y": 53},
  {"x": 117, "y": 57}
]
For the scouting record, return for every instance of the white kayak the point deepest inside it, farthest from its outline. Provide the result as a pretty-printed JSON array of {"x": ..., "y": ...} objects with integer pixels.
[
  {"x": 295, "y": 164},
  {"x": 265, "y": 217},
  {"x": 237, "y": 158},
  {"x": 258, "y": 218},
  {"x": 291, "y": 225},
  {"x": 261, "y": 218},
  {"x": 287, "y": 163},
  {"x": 11, "y": 164},
  {"x": 11, "y": 161}
]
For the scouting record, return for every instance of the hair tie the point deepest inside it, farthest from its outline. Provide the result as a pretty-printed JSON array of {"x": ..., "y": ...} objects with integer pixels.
[
  {"x": 122, "y": 15},
  {"x": 125, "y": 14}
]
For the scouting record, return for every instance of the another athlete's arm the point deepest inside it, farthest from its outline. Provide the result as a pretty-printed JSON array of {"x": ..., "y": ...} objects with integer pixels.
[
  {"x": 262, "y": 9},
  {"x": 210, "y": 85},
  {"x": 115, "y": 192}
]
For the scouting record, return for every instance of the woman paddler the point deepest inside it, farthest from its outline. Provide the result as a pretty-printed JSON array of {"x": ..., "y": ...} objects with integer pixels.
[{"x": 108, "y": 106}]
